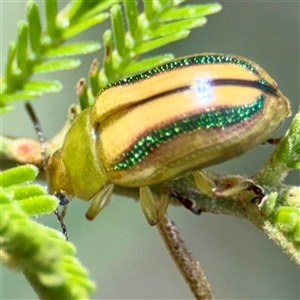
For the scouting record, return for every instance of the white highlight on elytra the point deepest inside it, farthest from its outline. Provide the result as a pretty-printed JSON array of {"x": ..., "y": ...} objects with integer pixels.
[{"x": 203, "y": 91}]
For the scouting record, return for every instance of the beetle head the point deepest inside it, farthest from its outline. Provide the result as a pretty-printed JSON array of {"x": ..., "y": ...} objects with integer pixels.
[{"x": 58, "y": 179}]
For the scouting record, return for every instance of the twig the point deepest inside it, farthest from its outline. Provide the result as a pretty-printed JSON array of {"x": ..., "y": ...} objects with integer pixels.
[{"x": 188, "y": 266}]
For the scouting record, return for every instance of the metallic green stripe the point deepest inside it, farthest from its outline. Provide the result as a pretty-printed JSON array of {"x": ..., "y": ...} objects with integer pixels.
[
  {"x": 267, "y": 87},
  {"x": 182, "y": 63},
  {"x": 220, "y": 118}
]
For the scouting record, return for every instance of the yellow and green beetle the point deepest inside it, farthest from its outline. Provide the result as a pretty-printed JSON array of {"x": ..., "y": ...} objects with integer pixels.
[{"x": 174, "y": 119}]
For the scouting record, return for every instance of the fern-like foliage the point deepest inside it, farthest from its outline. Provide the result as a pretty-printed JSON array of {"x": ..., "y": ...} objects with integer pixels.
[
  {"x": 42, "y": 254},
  {"x": 39, "y": 49}
]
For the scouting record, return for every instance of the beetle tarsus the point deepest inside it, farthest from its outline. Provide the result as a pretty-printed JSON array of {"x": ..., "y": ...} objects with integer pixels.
[
  {"x": 187, "y": 203},
  {"x": 153, "y": 207},
  {"x": 259, "y": 192},
  {"x": 273, "y": 141}
]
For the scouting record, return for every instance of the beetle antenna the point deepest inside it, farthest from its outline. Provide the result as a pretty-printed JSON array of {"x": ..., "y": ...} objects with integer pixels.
[
  {"x": 42, "y": 140},
  {"x": 62, "y": 224},
  {"x": 39, "y": 132}
]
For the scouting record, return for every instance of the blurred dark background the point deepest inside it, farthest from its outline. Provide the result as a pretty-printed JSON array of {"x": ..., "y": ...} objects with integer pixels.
[{"x": 124, "y": 254}]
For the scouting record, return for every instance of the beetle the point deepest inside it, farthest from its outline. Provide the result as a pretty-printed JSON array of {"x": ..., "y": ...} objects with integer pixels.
[{"x": 174, "y": 119}]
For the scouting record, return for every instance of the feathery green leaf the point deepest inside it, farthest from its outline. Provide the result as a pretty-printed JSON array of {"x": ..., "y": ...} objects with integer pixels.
[
  {"x": 148, "y": 63},
  {"x": 51, "y": 12},
  {"x": 73, "y": 49},
  {"x": 22, "y": 95},
  {"x": 193, "y": 11},
  {"x": 84, "y": 25},
  {"x": 18, "y": 175},
  {"x": 27, "y": 191},
  {"x": 44, "y": 256},
  {"x": 34, "y": 26},
  {"x": 25, "y": 59},
  {"x": 43, "y": 86},
  {"x": 56, "y": 65},
  {"x": 161, "y": 41}
]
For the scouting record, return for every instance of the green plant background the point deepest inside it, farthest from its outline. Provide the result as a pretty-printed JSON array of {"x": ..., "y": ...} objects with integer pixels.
[{"x": 124, "y": 255}]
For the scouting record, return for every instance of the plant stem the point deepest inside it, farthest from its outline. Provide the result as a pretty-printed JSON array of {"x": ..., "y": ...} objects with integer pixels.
[{"x": 188, "y": 266}]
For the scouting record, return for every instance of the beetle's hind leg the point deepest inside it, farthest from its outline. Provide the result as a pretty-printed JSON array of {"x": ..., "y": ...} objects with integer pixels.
[
  {"x": 99, "y": 201},
  {"x": 234, "y": 186},
  {"x": 153, "y": 206}
]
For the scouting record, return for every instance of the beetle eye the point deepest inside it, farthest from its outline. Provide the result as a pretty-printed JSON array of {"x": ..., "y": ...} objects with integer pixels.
[{"x": 63, "y": 200}]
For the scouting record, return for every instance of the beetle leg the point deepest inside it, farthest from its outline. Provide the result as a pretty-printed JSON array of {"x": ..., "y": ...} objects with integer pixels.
[
  {"x": 204, "y": 183},
  {"x": 207, "y": 186},
  {"x": 99, "y": 201},
  {"x": 153, "y": 207},
  {"x": 190, "y": 204},
  {"x": 233, "y": 190},
  {"x": 273, "y": 141}
]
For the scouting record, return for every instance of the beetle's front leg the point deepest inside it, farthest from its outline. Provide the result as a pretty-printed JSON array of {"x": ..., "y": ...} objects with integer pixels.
[
  {"x": 153, "y": 206},
  {"x": 99, "y": 201}
]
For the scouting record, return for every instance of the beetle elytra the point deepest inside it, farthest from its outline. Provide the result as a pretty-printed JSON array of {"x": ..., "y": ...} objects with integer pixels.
[{"x": 174, "y": 119}]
